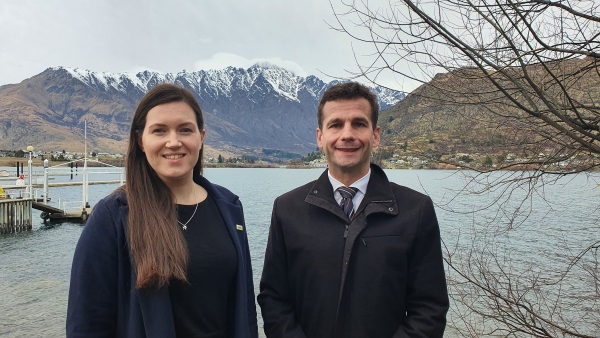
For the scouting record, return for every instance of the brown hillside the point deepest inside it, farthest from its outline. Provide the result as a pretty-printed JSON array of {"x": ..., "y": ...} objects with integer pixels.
[{"x": 463, "y": 112}]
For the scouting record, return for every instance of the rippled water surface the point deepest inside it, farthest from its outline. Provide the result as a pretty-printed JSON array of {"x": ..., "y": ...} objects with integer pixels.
[{"x": 35, "y": 265}]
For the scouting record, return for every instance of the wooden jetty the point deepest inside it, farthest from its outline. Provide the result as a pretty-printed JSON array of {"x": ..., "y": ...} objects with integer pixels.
[
  {"x": 60, "y": 184},
  {"x": 11, "y": 214},
  {"x": 15, "y": 215},
  {"x": 56, "y": 214},
  {"x": 16, "y": 211}
]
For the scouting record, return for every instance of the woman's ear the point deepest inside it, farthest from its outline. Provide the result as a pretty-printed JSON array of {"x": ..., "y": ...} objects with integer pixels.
[{"x": 140, "y": 143}]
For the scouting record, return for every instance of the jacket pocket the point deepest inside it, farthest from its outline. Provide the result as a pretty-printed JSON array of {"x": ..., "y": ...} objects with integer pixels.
[{"x": 392, "y": 250}]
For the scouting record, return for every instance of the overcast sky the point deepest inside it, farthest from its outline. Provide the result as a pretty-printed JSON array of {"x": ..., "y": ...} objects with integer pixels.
[{"x": 171, "y": 36}]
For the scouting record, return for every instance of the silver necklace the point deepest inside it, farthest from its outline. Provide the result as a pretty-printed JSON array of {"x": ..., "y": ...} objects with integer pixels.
[{"x": 184, "y": 225}]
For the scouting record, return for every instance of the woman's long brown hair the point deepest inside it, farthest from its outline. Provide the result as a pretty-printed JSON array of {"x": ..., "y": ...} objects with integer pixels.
[{"x": 157, "y": 247}]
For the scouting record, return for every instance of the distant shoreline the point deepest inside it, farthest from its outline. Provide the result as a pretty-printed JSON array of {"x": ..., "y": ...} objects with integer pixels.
[
  {"x": 12, "y": 161},
  {"x": 37, "y": 162}
]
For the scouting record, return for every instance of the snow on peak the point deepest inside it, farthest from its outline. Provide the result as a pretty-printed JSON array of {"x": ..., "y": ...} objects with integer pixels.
[
  {"x": 221, "y": 82},
  {"x": 117, "y": 81}
]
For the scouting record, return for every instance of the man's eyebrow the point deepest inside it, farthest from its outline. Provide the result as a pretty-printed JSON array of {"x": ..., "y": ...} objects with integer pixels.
[
  {"x": 361, "y": 119},
  {"x": 335, "y": 120}
]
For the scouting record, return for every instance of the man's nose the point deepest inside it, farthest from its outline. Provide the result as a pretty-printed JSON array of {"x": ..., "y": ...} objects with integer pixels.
[{"x": 347, "y": 132}]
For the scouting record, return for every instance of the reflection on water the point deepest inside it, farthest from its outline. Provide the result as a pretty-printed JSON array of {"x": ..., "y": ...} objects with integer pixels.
[{"x": 35, "y": 266}]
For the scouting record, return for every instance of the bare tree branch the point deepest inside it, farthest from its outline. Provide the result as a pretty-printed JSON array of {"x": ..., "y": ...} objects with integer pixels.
[{"x": 529, "y": 69}]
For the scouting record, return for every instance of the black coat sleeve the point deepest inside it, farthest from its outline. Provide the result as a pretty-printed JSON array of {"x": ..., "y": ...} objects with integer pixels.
[{"x": 427, "y": 294}]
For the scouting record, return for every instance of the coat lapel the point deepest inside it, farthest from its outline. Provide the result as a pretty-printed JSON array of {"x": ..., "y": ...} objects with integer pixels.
[
  {"x": 155, "y": 306},
  {"x": 233, "y": 217}
]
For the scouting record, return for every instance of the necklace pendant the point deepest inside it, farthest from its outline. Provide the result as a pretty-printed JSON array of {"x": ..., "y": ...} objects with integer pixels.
[{"x": 184, "y": 227}]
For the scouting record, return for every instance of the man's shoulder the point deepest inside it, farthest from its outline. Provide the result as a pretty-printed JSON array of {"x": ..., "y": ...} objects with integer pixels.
[
  {"x": 403, "y": 193},
  {"x": 297, "y": 193},
  {"x": 405, "y": 190},
  {"x": 400, "y": 192}
]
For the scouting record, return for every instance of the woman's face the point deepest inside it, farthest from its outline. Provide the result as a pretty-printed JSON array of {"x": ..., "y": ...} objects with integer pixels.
[{"x": 172, "y": 141}]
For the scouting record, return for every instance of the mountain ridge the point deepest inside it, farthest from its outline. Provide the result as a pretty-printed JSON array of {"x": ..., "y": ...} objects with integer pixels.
[{"x": 246, "y": 110}]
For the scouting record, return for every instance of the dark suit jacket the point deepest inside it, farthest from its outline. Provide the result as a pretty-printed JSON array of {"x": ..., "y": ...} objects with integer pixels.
[
  {"x": 103, "y": 301},
  {"x": 379, "y": 275}
]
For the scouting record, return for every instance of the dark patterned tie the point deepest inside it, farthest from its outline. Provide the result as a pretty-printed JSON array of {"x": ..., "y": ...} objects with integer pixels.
[{"x": 347, "y": 195}]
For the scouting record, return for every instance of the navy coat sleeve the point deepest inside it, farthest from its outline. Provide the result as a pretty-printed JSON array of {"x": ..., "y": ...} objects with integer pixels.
[
  {"x": 233, "y": 214},
  {"x": 92, "y": 304},
  {"x": 251, "y": 305}
]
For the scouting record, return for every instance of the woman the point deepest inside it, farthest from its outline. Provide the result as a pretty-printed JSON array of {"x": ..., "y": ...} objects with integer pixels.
[{"x": 167, "y": 254}]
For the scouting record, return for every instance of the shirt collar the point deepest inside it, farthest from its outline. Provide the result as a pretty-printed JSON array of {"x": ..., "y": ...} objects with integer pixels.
[{"x": 360, "y": 184}]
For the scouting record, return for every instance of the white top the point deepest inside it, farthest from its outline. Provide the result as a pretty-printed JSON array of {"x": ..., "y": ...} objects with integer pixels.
[{"x": 361, "y": 185}]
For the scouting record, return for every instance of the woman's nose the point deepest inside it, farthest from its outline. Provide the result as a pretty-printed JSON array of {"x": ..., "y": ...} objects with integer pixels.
[{"x": 173, "y": 141}]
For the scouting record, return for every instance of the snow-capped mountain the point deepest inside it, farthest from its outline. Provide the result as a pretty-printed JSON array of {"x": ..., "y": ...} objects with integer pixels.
[{"x": 250, "y": 110}]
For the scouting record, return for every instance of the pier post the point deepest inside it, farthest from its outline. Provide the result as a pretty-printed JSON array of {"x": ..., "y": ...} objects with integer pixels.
[{"x": 15, "y": 215}]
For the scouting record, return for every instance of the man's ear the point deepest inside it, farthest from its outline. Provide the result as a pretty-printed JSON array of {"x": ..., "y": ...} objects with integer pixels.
[
  {"x": 376, "y": 137},
  {"x": 319, "y": 138}
]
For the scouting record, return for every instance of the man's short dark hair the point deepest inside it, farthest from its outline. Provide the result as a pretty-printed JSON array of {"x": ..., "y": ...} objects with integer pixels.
[{"x": 348, "y": 91}]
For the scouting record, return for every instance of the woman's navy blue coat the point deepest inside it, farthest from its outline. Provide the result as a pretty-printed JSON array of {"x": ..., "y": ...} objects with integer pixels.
[{"x": 103, "y": 300}]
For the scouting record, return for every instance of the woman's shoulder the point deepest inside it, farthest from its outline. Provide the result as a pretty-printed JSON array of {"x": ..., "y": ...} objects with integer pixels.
[
  {"x": 218, "y": 191},
  {"x": 225, "y": 192},
  {"x": 112, "y": 202},
  {"x": 107, "y": 218},
  {"x": 117, "y": 198}
]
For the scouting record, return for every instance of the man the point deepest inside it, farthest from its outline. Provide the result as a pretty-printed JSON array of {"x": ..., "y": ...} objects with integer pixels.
[
  {"x": 375, "y": 271},
  {"x": 21, "y": 180}
]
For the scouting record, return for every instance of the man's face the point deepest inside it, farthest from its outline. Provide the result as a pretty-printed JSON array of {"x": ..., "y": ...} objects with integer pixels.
[{"x": 347, "y": 138}]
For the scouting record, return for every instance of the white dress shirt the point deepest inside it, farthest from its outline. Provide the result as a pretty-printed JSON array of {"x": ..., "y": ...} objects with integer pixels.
[{"x": 361, "y": 185}]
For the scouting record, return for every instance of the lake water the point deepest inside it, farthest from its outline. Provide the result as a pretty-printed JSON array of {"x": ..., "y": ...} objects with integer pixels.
[{"x": 35, "y": 265}]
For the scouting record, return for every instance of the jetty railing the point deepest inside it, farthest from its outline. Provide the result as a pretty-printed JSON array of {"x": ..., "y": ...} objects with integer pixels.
[{"x": 15, "y": 215}]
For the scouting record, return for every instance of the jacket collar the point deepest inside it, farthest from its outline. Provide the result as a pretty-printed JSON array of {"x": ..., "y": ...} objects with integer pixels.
[
  {"x": 379, "y": 196},
  {"x": 212, "y": 189}
]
